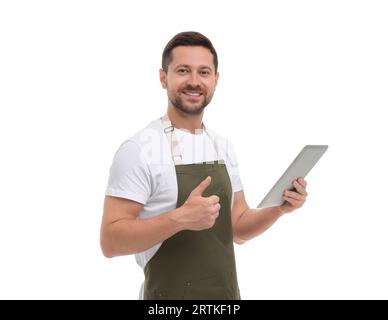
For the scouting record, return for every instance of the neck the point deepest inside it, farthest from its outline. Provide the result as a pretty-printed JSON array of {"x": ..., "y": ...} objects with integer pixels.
[{"x": 181, "y": 120}]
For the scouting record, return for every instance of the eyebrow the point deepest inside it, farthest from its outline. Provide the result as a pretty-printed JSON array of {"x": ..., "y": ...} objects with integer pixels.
[{"x": 188, "y": 66}]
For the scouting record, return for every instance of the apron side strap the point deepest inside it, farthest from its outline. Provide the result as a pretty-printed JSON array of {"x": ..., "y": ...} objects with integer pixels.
[{"x": 172, "y": 140}]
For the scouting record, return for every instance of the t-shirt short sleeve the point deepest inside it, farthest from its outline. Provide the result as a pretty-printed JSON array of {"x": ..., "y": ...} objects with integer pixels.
[{"x": 129, "y": 175}]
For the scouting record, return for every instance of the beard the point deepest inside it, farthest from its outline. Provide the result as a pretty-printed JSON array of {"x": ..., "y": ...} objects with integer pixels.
[{"x": 193, "y": 108}]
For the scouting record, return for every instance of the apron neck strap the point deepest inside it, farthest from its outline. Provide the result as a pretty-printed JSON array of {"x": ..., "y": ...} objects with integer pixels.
[{"x": 173, "y": 141}]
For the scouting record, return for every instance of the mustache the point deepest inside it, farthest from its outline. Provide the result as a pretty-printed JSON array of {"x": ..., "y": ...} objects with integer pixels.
[{"x": 192, "y": 88}]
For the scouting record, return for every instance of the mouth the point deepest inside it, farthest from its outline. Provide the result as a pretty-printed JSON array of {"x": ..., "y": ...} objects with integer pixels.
[{"x": 192, "y": 94}]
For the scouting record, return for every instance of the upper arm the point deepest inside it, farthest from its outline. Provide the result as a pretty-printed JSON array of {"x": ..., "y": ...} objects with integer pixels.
[
  {"x": 116, "y": 209},
  {"x": 239, "y": 206},
  {"x": 129, "y": 184}
]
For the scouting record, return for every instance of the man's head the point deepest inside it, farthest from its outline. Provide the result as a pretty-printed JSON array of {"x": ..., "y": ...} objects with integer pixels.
[
  {"x": 189, "y": 71},
  {"x": 189, "y": 38}
]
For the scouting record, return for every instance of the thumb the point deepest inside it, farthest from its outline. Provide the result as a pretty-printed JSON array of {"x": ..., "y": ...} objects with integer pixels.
[{"x": 201, "y": 187}]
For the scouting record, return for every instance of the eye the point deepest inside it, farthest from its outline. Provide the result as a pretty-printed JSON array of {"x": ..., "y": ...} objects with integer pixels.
[
  {"x": 205, "y": 72},
  {"x": 183, "y": 71}
]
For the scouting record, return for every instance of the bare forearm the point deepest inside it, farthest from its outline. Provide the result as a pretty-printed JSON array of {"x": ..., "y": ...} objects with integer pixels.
[
  {"x": 254, "y": 222},
  {"x": 128, "y": 236}
]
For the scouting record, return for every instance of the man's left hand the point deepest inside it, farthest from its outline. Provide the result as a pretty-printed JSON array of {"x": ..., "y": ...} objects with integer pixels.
[{"x": 296, "y": 198}]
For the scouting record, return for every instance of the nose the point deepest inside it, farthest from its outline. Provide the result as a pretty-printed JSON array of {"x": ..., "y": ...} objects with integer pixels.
[{"x": 194, "y": 79}]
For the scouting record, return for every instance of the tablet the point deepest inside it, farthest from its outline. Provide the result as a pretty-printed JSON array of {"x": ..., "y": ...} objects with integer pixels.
[{"x": 300, "y": 167}]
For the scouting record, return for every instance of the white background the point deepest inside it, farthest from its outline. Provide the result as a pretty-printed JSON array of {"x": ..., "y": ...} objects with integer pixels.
[{"x": 79, "y": 77}]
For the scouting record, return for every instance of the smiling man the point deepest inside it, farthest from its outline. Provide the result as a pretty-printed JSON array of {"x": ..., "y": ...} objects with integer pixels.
[
  {"x": 197, "y": 92},
  {"x": 174, "y": 195}
]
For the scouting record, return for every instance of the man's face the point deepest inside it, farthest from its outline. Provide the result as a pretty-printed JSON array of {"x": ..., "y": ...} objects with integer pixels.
[{"x": 191, "y": 79}]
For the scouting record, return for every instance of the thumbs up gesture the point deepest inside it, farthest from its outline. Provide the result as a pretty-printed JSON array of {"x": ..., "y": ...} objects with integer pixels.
[{"x": 198, "y": 212}]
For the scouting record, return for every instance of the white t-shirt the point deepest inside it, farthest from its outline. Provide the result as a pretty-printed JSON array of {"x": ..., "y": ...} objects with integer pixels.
[{"x": 143, "y": 169}]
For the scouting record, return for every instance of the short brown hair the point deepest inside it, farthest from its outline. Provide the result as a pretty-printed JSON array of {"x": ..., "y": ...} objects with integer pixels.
[{"x": 188, "y": 38}]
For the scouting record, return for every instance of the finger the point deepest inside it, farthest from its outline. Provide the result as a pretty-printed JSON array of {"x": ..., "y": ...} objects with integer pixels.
[
  {"x": 213, "y": 199},
  {"x": 294, "y": 195},
  {"x": 302, "y": 181},
  {"x": 293, "y": 202},
  {"x": 202, "y": 187},
  {"x": 300, "y": 188},
  {"x": 215, "y": 214},
  {"x": 214, "y": 209}
]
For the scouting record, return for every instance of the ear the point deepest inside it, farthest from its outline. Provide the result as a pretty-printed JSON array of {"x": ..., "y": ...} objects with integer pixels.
[
  {"x": 217, "y": 76},
  {"x": 163, "y": 78}
]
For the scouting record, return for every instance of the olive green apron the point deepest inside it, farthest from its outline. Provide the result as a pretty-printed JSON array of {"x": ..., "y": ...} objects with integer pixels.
[{"x": 196, "y": 264}]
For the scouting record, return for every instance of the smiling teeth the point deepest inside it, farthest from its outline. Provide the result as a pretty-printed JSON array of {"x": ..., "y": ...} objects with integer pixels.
[{"x": 193, "y": 93}]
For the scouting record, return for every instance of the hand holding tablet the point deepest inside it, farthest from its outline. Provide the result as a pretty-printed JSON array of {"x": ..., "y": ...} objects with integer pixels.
[{"x": 300, "y": 167}]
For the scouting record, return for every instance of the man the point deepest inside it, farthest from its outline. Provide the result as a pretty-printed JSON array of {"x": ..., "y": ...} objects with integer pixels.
[{"x": 174, "y": 195}]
